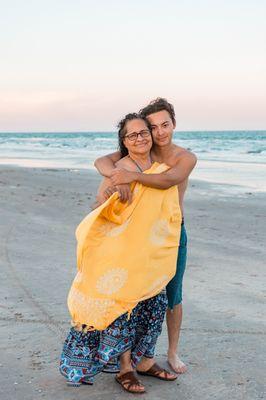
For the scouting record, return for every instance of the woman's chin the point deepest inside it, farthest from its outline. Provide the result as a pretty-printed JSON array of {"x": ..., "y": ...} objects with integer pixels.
[{"x": 142, "y": 149}]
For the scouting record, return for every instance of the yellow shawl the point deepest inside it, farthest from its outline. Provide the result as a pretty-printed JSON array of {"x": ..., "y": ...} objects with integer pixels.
[{"x": 125, "y": 254}]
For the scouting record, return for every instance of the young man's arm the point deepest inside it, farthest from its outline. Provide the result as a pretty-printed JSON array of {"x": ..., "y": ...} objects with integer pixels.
[
  {"x": 174, "y": 176},
  {"x": 106, "y": 163}
]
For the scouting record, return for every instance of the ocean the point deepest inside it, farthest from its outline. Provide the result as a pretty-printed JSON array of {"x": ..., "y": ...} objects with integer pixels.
[{"x": 235, "y": 158}]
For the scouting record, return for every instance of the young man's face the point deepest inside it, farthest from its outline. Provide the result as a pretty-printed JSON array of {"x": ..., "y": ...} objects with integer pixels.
[{"x": 162, "y": 127}]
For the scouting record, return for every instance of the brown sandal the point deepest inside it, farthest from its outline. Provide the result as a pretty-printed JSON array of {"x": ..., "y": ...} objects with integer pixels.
[
  {"x": 128, "y": 380},
  {"x": 155, "y": 371}
]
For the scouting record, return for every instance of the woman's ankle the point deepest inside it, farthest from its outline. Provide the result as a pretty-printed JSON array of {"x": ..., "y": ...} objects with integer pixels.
[{"x": 124, "y": 370}]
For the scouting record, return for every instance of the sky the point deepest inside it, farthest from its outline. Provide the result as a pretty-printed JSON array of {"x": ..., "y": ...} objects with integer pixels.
[{"x": 82, "y": 65}]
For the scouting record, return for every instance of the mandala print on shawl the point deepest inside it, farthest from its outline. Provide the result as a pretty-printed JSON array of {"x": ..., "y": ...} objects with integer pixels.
[
  {"x": 112, "y": 281},
  {"x": 111, "y": 229},
  {"x": 159, "y": 232},
  {"x": 94, "y": 308}
]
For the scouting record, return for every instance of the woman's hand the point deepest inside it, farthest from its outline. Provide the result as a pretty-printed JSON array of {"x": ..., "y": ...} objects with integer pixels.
[
  {"x": 124, "y": 192},
  {"x": 122, "y": 176},
  {"x": 109, "y": 191}
]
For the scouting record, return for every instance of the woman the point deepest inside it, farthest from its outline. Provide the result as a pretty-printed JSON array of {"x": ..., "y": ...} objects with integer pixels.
[{"x": 126, "y": 256}]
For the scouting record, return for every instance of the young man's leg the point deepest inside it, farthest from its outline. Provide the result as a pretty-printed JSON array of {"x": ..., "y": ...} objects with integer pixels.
[{"x": 174, "y": 312}]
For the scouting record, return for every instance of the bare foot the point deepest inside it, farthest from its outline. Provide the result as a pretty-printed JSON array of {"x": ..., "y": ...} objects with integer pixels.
[{"x": 176, "y": 364}]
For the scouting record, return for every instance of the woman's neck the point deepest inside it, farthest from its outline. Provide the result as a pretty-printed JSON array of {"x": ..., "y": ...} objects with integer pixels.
[{"x": 142, "y": 160}]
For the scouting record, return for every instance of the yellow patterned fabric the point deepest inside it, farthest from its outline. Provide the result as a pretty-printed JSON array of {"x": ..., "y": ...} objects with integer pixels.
[{"x": 125, "y": 254}]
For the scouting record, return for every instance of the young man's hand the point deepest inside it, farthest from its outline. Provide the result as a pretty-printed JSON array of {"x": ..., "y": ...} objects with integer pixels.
[{"x": 120, "y": 176}]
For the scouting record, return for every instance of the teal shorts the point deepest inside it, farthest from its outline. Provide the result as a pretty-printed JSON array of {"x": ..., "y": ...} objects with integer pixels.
[{"x": 174, "y": 287}]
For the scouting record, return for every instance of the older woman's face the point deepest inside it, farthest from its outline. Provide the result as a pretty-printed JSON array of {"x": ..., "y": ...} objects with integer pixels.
[{"x": 138, "y": 138}]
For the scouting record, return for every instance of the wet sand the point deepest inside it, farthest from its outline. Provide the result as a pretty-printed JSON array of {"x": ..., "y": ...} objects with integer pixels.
[{"x": 224, "y": 330}]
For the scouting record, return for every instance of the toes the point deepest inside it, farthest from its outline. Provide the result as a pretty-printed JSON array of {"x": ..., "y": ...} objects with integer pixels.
[
  {"x": 170, "y": 376},
  {"x": 137, "y": 388},
  {"x": 180, "y": 370}
]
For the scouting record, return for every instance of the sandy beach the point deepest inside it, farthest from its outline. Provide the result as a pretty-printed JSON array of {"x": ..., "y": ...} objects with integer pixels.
[{"x": 223, "y": 334}]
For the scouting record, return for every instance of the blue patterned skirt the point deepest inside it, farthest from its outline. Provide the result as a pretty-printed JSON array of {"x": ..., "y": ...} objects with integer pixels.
[{"x": 86, "y": 354}]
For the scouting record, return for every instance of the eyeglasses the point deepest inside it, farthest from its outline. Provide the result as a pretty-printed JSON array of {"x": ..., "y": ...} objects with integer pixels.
[{"x": 134, "y": 135}]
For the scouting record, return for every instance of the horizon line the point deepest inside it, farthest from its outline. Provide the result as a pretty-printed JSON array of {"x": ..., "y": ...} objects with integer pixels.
[{"x": 107, "y": 131}]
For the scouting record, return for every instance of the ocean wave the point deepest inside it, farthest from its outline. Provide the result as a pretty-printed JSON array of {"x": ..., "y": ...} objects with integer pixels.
[
  {"x": 105, "y": 139},
  {"x": 223, "y": 146},
  {"x": 258, "y": 151}
]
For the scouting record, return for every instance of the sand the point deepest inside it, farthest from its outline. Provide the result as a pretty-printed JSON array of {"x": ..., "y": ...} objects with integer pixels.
[{"x": 223, "y": 334}]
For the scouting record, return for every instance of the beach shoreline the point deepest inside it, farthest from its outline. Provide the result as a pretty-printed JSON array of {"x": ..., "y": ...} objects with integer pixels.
[
  {"x": 236, "y": 158},
  {"x": 223, "y": 332}
]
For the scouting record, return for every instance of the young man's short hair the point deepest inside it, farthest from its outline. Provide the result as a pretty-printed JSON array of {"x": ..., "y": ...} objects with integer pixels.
[{"x": 157, "y": 105}]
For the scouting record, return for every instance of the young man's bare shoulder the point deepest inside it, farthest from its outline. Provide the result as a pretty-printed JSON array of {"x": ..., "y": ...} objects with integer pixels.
[
  {"x": 178, "y": 150},
  {"x": 179, "y": 153}
]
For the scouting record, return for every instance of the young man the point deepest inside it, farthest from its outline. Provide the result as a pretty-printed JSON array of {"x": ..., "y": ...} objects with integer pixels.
[{"x": 161, "y": 117}]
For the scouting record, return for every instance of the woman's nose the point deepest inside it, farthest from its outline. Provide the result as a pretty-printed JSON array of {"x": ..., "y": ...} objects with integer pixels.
[{"x": 139, "y": 138}]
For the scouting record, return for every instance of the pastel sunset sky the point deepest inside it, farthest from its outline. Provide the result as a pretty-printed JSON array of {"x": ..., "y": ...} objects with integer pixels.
[{"x": 81, "y": 65}]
